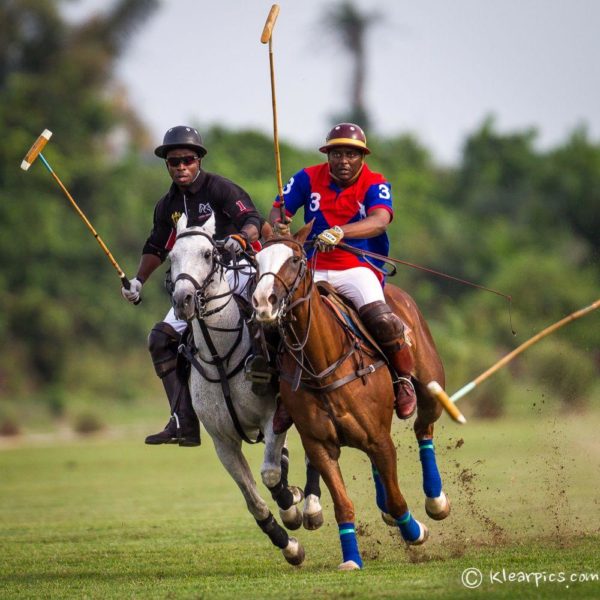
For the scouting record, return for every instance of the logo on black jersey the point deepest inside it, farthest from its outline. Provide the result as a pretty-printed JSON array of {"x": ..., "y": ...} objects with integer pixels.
[{"x": 175, "y": 217}]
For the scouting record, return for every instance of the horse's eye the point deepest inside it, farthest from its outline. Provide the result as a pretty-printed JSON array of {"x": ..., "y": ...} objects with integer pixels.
[
  {"x": 208, "y": 254},
  {"x": 296, "y": 260}
]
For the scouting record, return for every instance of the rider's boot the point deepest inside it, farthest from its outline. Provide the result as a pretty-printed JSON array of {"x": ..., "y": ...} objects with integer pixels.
[
  {"x": 388, "y": 331},
  {"x": 183, "y": 427}
]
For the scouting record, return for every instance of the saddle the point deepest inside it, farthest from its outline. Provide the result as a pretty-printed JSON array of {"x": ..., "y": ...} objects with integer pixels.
[{"x": 346, "y": 314}]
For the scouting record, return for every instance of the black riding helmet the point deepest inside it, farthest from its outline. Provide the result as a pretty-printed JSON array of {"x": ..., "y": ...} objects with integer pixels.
[{"x": 181, "y": 137}]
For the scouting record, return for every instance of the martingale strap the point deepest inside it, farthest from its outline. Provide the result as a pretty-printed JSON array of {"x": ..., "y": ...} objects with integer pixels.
[
  {"x": 323, "y": 389},
  {"x": 189, "y": 352}
]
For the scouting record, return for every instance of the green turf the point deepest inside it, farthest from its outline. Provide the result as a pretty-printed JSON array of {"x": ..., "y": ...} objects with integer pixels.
[{"x": 108, "y": 517}]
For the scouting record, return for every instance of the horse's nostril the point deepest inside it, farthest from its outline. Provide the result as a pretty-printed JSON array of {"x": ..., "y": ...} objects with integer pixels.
[{"x": 273, "y": 299}]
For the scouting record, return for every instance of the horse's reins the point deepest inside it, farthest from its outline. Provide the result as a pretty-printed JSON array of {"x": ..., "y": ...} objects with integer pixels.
[
  {"x": 390, "y": 261},
  {"x": 200, "y": 314},
  {"x": 296, "y": 348}
]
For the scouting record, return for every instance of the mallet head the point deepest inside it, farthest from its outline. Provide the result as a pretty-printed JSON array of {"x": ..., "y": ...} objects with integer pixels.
[
  {"x": 268, "y": 29},
  {"x": 35, "y": 150}
]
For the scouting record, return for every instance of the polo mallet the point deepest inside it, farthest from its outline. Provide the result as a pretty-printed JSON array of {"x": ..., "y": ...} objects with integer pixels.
[
  {"x": 267, "y": 36},
  {"x": 449, "y": 402},
  {"x": 34, "y": 152}
]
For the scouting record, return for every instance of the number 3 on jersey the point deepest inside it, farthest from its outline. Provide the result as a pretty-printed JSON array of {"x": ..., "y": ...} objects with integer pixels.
[
  {"x": 384, "y": 191},
  {"x": 315, "y": 202}
]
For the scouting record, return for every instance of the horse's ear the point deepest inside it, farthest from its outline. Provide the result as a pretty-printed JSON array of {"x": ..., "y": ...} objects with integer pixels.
[
  {"x": 181, "y": 223},
  {"x": 210, "y": 225},
  {"x": 303, "y": 233},
  {"x": 266, "y": 231}
]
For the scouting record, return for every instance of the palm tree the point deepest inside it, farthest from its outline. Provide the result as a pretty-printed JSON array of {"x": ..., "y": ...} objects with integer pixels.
[{"x": 351, "y": 26}]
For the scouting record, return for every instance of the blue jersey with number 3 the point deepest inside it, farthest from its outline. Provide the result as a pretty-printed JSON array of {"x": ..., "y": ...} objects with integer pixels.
[{"x": 323, "y": 200}]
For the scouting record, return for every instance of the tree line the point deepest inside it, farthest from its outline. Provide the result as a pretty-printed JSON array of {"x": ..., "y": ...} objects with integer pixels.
[{"x": 509, "y": 216}]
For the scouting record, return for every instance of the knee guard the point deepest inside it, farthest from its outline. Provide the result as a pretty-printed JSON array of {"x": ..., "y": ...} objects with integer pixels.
[
  {"x": 163, "y": 342},
  {"x": 386, "y": 327}
]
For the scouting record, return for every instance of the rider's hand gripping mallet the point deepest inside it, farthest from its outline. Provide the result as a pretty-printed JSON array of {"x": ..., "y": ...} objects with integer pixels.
[
  {"x": 267, "y": 36},
  {"x": 34, "y": 152}
]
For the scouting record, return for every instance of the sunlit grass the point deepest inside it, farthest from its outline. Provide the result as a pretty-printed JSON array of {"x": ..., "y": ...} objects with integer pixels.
[{"x": 107, "y": 517}]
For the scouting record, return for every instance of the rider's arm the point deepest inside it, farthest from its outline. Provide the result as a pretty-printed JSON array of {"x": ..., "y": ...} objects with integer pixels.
[
  {"x": 375, "y": 224},
  {"x": 148, "y": 264}
]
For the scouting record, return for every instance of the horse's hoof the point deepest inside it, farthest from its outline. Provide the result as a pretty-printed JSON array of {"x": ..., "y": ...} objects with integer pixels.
[
  {"x": 292, "y": 517},
  {"x": 313, "y": 514},
  {"x": 349, "y": 565},
  {"x": 312, "y": 522},
  {"x": 388, "y": 519},
  {"x": 437, "y": 508},
  {"x": 297, "y": 493},
  {"x": 293, "y": 552},
  {"x": 423, "y": 536}
]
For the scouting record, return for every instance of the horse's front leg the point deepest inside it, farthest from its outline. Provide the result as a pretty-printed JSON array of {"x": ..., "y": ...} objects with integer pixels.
[
  {"x": 274, "y": 473},
  {"x": 326, "y": 462},
  {"x": 437, "y": 504},
  {"x": 230, "y": 454},
  {"x": 389, "y": 496}
]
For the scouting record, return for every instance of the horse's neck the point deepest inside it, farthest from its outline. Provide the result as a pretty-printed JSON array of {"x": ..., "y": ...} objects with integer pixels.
[
  {"x": 315, "y": 322},
  {"x": 228, "y": 317}
]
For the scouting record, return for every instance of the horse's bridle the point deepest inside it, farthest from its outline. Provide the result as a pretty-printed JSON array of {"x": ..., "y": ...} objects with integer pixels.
[
  {"x": 200, "y": 298},
  {"x": 286, "y": 304}
]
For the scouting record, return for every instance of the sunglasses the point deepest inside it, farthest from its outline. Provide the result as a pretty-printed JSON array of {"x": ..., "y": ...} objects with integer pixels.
[{"x": 175, "y": 161}]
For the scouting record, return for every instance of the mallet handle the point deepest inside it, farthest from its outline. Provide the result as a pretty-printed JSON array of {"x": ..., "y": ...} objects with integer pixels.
[
  {"x": 536, "y": 338},
  {"x": 110, "y": 257},
  {"x": 267, "y": 36}
]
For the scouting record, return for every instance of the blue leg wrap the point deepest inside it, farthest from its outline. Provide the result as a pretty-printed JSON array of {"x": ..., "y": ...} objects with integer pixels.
[
  {"x": 409, "y": 528},
  {"x": 349, "y": 543},
  {"x": 432, "y": 482},
  {"x": 379, "y": 491}
]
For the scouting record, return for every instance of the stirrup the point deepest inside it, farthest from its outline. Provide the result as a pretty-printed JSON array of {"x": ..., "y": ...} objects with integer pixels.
[
  {"x": 257, "y": 369},
  {"x": 408, "y": 380}
]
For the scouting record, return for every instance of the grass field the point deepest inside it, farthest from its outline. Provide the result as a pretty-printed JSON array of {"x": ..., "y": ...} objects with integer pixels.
[{"x": 107, "y": 517}]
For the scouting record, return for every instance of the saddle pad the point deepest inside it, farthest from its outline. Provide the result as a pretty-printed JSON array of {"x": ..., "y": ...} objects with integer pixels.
[{"x": 346, "y": 312}]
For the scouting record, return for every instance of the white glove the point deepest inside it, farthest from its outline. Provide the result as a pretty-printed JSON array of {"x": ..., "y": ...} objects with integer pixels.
[
  {"x": 235, "y": 244},
  {"x": 329, "y": 238},
  {"x": 133, "y": 293}
]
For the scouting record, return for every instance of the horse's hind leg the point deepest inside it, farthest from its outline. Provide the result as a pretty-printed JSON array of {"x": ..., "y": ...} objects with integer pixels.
[
  {"x": 274, "y": 472},
  {"x": 437, "y": 505},
  {"x": 234, "y": 461},
  {"x": 389, "y": 497}
]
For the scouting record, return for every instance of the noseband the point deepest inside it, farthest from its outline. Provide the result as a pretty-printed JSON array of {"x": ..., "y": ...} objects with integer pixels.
[{"x": 290, "y": 290}]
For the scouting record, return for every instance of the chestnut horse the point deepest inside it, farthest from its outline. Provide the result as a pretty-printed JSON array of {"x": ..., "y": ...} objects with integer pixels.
[{"x": 339, "y": 391}]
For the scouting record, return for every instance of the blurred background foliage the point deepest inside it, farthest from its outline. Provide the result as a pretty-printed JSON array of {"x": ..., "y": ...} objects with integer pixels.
[{"x": 508, "y": 216}]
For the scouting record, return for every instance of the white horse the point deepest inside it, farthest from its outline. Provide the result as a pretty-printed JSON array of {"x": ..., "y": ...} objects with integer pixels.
[{"x": 221, "y": 395}]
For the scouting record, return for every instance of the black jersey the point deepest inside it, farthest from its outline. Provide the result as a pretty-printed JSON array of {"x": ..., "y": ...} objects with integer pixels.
[{"x": 230, "y": 204}]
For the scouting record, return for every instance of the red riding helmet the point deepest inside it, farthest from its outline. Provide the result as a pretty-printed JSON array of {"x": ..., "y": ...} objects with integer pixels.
[{"x": 346, "y": 134}]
